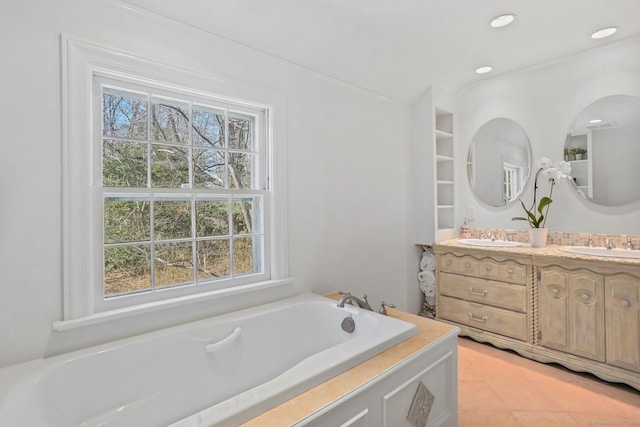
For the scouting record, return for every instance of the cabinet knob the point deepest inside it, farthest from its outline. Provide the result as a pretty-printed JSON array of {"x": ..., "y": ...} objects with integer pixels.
[
  {"x": 448, "y": 262},
  {"x": 625, "y": 303},
  {"x": 488, "y": 268},
  {"x": 585, "y": 296},
  {"x": 555, "y": 292},
  {"x": 467, "y": 264},
  {"x": 510, "y": 271}
]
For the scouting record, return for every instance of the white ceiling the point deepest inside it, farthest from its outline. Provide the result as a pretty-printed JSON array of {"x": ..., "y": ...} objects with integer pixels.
[{"x": 399, "y": 48}]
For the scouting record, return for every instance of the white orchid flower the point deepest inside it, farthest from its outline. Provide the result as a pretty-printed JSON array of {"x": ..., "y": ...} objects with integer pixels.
[
  {"x": 563, "y": 167},
  {"x": 545, "y": 163},
  {"x": 559, "y": 170}
]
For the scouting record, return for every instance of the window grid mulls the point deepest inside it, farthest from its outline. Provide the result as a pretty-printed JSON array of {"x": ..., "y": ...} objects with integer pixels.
[{"x": 182, "y": 203}]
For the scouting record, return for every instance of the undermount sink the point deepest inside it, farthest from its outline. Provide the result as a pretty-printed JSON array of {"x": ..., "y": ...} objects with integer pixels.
[
  {"x": 489, "y": 243},
  {"x": 603, "y": 252}
]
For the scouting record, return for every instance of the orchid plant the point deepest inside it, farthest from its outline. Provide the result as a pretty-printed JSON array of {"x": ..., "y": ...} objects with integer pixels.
[{"x": 559, "y": 170}]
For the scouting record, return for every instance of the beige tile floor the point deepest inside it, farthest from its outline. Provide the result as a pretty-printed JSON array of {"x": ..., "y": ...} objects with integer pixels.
[{"x": 498, "y": 388}]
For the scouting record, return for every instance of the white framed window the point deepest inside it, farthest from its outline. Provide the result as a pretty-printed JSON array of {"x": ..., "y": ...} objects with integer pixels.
[
  {"x": 512, "y": 181},
  {"x": 173, "y": 185},
  {"x": 181, "y": 188}
]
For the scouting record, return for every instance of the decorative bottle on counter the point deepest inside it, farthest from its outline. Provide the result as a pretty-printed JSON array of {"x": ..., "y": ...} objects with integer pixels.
[{"x": 465, "y": 230}]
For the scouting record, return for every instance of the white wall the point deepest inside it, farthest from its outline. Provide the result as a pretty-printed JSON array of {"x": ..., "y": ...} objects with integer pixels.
[
  {"x": 544, "y": 100},
  {"x": 348, "y": 191}
]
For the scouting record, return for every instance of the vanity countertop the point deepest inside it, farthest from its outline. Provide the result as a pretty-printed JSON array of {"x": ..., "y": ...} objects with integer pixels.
[
  {"x": 549, "y": 251},
  {"x": 295, "y": 410}
]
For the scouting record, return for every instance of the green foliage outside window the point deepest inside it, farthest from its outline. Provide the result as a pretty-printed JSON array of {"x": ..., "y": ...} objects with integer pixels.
[{"x": 156, "y": 238}]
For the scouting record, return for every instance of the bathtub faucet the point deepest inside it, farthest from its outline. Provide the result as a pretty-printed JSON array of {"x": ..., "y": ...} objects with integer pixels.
[{"x": 352, "y": 299}]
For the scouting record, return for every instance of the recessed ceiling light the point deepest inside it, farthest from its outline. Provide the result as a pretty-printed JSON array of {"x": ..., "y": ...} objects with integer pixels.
[
  {"x": 594, "y": 121},
  {"x": 502, "y": 20},
  {"x": 483, "y": 70},
  {"x": 605, "y": 32}
]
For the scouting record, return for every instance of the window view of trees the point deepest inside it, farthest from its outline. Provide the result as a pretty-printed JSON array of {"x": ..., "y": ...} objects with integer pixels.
[{"x": 174, "y": 181}]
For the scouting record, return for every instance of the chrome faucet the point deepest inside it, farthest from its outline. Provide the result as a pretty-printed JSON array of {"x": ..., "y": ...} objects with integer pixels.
[
  {"x": 630, "y": 243},
  {"x": 590, "y": 242},
  {"x": 492, "y": 236},
  {"x": 507, "y": 237},
  {"x": 347, "y": 298},
  {"x": 608, "y": 243},
  {"x": 383, "y": 307}
]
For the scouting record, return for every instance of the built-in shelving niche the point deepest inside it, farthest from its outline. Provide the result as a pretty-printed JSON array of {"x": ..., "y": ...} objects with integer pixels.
[{"x": 444, "y": 191}]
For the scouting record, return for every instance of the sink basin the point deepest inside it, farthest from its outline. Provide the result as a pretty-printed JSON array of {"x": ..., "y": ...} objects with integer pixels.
[
  {"x": 604, "y": 252},
  {"x": 489, "y": 243}
]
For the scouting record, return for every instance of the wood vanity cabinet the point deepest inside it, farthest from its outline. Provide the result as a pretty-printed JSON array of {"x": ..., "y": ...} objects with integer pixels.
[
  {"x": 571, "y": 311},
  {"x": 484, "y": 292},
  {"x": 622, "y": 301},
  {"x": 583, "y": 313}
]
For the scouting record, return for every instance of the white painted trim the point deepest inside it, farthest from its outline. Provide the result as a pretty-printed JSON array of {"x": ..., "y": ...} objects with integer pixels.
[
  {"x": 136, "y": 310},
  {"x": 360, "y": 419},
  {"x": 80, "y": 60}
]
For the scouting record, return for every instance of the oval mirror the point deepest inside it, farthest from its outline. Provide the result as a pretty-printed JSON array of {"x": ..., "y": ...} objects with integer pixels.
[
  {"x": 499, "y": 162},
  {"x": 603, "y": 147}
]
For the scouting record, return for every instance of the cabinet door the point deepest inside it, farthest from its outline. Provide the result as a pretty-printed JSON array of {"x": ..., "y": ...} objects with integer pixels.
[
  {"x": 571, "y": 312},
  {"x": 553, "y": 308},
  {"x": 623, "y": 321}
]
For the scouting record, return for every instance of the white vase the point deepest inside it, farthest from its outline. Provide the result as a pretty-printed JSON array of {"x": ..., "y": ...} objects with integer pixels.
[{"x": 538, "y": 237}]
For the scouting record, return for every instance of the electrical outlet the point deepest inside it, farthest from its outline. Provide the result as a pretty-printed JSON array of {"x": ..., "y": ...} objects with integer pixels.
[{"x": 471, "y": 214}]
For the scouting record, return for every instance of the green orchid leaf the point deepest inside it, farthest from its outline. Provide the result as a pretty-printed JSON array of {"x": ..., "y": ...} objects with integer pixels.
[
  {"x": 543, "y": 203},
  {"x": 537, "y": 222}
]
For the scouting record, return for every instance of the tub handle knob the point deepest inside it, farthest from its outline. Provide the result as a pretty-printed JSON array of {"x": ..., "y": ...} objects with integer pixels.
[
  {"x": 383, "y": 307},
  {"x": 213, "y": 347}
]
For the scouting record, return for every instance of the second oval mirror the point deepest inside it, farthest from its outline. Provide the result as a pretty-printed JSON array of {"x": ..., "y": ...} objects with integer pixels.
[
  {"x": 499, "y": 162},
  {"x": 603, "y": 147}
]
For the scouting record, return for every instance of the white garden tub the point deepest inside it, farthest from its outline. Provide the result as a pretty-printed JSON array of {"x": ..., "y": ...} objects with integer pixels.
[{"x": 220, "y": 371}]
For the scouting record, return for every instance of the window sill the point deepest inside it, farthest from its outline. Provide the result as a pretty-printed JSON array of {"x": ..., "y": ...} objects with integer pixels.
[{"x": 122, "y": 313}]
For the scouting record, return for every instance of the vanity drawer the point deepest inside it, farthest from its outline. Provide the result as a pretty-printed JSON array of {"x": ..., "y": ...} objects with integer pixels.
[
  {"x": 486, "y": 317},
  {"x": 512, "y": 297},
  {"x": 454, "y": 264},
  {"x": 487, "y": 268}
]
